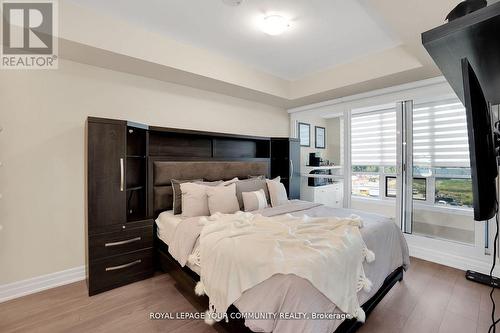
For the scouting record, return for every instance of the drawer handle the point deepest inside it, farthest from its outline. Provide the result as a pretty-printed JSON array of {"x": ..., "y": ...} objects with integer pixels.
[
  {"x": 114, "y": 268},
  {"x": 123, "y": 242}
]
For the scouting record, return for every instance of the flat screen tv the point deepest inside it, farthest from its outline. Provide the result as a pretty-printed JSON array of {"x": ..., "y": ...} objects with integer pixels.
[{"x": 483, "y": 158}]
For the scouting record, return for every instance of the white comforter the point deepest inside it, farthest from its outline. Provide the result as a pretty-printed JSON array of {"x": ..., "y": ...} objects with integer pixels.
[
  {"x": 288, "y": 293},
  {"x": 239, "y": 251}
]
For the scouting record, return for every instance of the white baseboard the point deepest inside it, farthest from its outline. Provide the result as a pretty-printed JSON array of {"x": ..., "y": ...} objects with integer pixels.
[
  {"x": 451, "y": 260},
  {"x": 44, "y": 282},
  {"x": 29, "y": 286}
]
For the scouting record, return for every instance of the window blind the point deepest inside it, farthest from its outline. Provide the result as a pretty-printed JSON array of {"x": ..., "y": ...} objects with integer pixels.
[
  {"x": 440, "y": 135},
  {"x": 373, "y": 138}
]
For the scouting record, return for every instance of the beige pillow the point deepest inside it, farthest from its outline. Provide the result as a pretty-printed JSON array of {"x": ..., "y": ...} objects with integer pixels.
[
  {"x": 177, "y": 194},
  {"x": 194, "y": 200},
  {"x": 277, "y": 192},
  {"x": 250, "y": 185},
  {"x": 255, "y": 200},
  {"x": 222, "y": 199}
]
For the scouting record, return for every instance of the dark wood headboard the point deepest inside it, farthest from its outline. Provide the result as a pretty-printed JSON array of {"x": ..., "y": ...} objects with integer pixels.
[
  {"x": 184, "y": 154},
  {"x": 163, "y": 171}
]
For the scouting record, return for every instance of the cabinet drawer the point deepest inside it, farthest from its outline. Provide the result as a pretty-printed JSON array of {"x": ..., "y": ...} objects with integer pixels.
[
  {"x": 120, "y": 242},
  {"x": 120, "y": 270}
]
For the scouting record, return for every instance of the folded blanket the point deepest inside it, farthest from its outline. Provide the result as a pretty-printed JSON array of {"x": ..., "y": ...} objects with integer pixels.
[{"x": 239, "y": 251}]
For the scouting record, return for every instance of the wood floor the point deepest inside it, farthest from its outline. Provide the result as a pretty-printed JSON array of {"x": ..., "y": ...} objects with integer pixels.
[{"x": 431, "y": 298}]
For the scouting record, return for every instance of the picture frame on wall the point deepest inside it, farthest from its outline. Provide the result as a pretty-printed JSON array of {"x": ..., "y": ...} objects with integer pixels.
[
  {"x": 320, "y": 136},
  {"x": 305, "y": 134}
]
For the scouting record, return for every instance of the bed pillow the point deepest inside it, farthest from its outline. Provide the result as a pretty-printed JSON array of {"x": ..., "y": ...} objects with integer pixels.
[
  {"x": 217, "y": 182},
  {"x": 222, "y": 199},
  {"x": 231, "y": 181},
  {"x": 256, "y": 176},
  {"x": 255, "y": 200},
  {"x": 250, "y": 185},
  {"x": 277, "y": 192},
  {"x": 177, "y": 194},
  {"x": 194, "y": 200},
  {"x": 214, "y": 183}
]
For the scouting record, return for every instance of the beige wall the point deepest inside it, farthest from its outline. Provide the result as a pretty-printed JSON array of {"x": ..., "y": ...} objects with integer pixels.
[
  {"x": 42, "y": 150},
  {"x": 334, "y": 140},
  {"x": 312, "y": 120}
]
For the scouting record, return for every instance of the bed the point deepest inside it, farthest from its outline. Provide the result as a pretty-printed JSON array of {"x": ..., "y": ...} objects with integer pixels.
[{"x": 283, "y": 293}]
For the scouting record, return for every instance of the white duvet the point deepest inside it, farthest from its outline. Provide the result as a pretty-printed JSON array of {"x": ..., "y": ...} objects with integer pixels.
[{"x": 239, "y": 251}]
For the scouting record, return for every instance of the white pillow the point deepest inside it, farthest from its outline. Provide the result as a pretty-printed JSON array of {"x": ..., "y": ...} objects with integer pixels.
[
  {"x": 255, "y": 200},
  {"x": 222, "y": 199},
  {"x": 194, "y": 200},
  {"x": 277, "y": 192}
]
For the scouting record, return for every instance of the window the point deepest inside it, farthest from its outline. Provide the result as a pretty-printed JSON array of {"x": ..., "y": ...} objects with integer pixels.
[
  {"x": 441, "y": 152},
  {"x": 419, "y": 188},
  {"x": 366, "y": 185},
  {"x": 373, "y": 151},
  {"x": 440, "y": 135},
  {"x": 390, "y": 187},
  {"x": 453, "y": 192},
  {"x": 373, "y": 138},
  {"x": 441, "y": 170}
]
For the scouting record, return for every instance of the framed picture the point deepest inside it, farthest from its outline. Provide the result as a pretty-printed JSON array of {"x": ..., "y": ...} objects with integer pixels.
[
  {"x": 305, "y": 134},
  {"x": 320, "y": 134}
]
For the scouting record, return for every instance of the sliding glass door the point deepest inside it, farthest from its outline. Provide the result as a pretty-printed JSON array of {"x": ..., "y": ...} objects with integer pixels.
[
  {"x": 410, "y": 161},
  {"x": 374, "y": 169},
  {"x": 441, "y": 176}
]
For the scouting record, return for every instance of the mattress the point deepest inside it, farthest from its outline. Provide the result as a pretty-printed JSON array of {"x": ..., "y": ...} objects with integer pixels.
[{"x": 167, "y": 222}]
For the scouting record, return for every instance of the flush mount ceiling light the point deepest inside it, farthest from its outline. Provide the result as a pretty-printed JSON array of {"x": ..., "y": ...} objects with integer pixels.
[
  {"x": 232, "y": 2},
  {"x": 274, "y": 24}
]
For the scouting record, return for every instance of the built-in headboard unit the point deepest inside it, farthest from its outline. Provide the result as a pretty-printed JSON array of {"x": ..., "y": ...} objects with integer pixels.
[
  {"x": 164, "y": 171},
  {"x": 185, "y": 154}
]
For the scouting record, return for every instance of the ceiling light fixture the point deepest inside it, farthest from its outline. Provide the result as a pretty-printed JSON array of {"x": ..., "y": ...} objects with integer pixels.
[
  {"x": 274, "y": 25},
  {"x": 232, "y": 2}
]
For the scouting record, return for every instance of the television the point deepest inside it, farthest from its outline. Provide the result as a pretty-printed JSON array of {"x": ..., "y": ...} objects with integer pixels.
[{"x": 483, "y": 157}]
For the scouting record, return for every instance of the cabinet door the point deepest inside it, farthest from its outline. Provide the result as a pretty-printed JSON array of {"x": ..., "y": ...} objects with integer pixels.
[
  {"x": 106, "y": 175},
  {"x": 294, "y": 185}
]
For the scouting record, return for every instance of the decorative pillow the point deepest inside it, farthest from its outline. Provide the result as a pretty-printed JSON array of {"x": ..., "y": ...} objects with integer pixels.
[
  {"x": 256, "y": 176},
  {"x": 218, "y": 182},
  {"x": 194, "y": 200},
  {"x": 231, "y": 181},
  {"x": 214, "y": 183},
  {"x": 250, "y": 185},
  {"x": 277, "y": 192},
  {"x": 255, "y": 200},
  {"x": 177, "y": 194},
  {"x": 222, "y": 199}
]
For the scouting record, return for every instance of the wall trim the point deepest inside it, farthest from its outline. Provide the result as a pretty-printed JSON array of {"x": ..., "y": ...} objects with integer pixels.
[
  {"x": 29, "y": 286},
  {"x": 33, "y": 285},
  {"x": 447, "y": 259}
]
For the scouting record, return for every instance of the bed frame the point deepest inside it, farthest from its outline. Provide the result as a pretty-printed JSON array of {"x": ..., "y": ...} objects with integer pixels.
[
  {"x": 180, "y": 154},
  {"x": 186, "y": 280}
]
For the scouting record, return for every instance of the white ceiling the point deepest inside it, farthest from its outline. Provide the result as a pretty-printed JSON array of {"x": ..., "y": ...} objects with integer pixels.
[{"x": 324, "y": 33}]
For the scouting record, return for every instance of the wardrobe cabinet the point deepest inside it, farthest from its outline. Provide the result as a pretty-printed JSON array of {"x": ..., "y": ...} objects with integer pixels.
[
  {"x": 285, "y": 162},
  {"x": 120, "y": 234}
]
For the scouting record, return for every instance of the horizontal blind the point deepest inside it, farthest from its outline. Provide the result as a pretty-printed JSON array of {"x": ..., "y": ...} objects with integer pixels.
[
  {"x": 440, "y": 135},
  {"x": 373, "y": 138}
]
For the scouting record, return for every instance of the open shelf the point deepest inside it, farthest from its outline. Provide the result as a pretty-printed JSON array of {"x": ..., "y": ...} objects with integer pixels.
[{"x": 136, "y": 173}]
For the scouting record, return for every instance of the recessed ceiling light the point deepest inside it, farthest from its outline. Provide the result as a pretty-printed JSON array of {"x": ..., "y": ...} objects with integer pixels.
[{"x": 274, "y": 24}]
